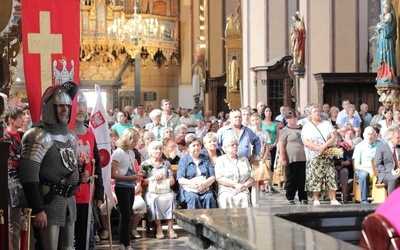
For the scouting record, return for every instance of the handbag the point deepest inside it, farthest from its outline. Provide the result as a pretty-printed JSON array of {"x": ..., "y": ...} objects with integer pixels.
[
  {"x": 159, "y": 188},
  {"x": 261, "y": 170},
  {"x": 17, "y": 194},
  {"x": 196, "y": 179}
]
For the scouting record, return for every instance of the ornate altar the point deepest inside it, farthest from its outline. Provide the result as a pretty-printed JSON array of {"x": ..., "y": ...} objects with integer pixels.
[
  {"x": 102, "y": 44},
  {"x": 111, "y": 44},
  {"x": 234, "y": 65}
]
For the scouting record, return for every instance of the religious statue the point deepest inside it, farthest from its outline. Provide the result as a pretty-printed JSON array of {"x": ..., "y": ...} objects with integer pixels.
[
  {"x": 198, "y": 73},
  {"x": 297, "y": 38},
  {"x": 230, "y": 27},
  {"x": 386, "y": 35},
  {"x": 234, "y": 22},
  {"x": 238, "y": 17},
  {"x": 234, "y": 74}
]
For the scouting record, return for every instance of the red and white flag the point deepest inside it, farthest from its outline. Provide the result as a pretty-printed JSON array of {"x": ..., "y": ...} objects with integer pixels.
[
  {"x": 99, "y": 125},
  {"x": 51, "y": 35}
]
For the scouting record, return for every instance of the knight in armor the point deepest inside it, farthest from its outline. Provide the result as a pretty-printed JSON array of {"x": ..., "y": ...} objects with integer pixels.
[
  {"x": 87, "y": 152},
  {"x": 49, "y": 168}
]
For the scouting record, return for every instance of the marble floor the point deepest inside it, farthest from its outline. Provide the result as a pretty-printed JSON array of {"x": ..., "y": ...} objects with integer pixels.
[{"x": 149, "y": 242}]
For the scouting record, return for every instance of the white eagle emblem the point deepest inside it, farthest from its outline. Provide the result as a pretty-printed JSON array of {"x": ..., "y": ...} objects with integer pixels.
[{"x": 63, "y": 75}]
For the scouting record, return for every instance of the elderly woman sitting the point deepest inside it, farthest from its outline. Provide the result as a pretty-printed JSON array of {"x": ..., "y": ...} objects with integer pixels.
[
  {"x": 161, "y": 202},
  {"x": 234, "y": 176},
  {"x": 196, "y": 175}
]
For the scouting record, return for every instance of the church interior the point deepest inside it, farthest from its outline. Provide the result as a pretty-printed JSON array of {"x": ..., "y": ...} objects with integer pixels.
[
  {"x": 197, "y": 44},
  {"x": 220, "y": 55}
]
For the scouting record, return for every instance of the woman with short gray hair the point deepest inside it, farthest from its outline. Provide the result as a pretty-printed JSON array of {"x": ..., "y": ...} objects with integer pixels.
[
  {"x": 234, "y": 176},
  {"x": 155, "y": 126}
]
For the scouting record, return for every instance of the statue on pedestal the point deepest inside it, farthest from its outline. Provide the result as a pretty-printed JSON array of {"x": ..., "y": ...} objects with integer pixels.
[
  {"x": 198, "y": 74},
  {"x": 386, "y": 36},
  {"x": 234, "y": 22},
  {"x": 297, "y": 38},
  {"x": 234, "y": 75}
]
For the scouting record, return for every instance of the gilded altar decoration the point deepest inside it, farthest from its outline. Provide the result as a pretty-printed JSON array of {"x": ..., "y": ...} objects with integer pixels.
[
  {"x": 233, "y": 47},
  {"x": 234, "y": 74},
  {"x": 234, "y": 22},
  {"x": 127, "y": 33},
  {"x": 388, "y": 96}
]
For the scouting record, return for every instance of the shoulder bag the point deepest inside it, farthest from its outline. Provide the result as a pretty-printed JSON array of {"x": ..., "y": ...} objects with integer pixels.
[{"x": 261, "y": 170}]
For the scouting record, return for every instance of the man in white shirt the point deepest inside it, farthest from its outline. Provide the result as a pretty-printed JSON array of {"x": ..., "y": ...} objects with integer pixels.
[
  {"x": 363, "y": 153},
  {"x": 141, "y": 119},
  {"x": 188, "y": 120},
  {"x": 168, "y": 118}
]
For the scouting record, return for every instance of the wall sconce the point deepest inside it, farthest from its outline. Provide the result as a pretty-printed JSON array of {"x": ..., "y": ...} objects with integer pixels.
[{"x": 159, "y": 59}]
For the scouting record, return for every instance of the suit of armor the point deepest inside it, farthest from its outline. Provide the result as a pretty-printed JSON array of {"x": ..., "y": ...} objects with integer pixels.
[{"x": 49, "y": 170}]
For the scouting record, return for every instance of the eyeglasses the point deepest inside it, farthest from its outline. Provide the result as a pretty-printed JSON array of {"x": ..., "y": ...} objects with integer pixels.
[{"x": 234, "y": 110}]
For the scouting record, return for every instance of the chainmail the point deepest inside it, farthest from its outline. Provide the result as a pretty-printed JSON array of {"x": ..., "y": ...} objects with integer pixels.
[
  {"x": 80, "y": 128},
  {"x": 52, "y": 170},
  {"x": 54, "y": 129}
]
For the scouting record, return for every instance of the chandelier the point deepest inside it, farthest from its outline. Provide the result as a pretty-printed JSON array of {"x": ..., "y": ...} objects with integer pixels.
[{"x": 136, "y": 30}]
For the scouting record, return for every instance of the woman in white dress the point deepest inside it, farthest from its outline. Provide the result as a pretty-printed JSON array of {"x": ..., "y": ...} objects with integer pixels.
[
  {"x": 234, "y": 176},
  {"x": 160, "y": 205}
]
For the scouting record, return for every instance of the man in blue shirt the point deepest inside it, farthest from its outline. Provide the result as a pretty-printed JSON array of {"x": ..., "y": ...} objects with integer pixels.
[
  {"x": 249, "y": 142},
  {"x": 363, "y": 153}
]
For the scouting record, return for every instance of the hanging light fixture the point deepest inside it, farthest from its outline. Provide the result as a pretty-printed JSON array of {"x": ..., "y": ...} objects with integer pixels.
[{"x": 136, "y": 30}]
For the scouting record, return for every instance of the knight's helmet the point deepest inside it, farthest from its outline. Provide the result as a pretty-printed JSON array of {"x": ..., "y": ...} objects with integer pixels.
[
  {"x": 61, "y": 94},
  {"x": 81, "y": 98}
]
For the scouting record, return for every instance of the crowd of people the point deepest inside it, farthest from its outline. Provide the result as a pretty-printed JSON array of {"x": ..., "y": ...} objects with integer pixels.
[{"x": 213, "y": 156}]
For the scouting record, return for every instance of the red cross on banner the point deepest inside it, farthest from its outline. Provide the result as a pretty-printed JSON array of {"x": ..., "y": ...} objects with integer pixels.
[{"x": 51, "y": 35}]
